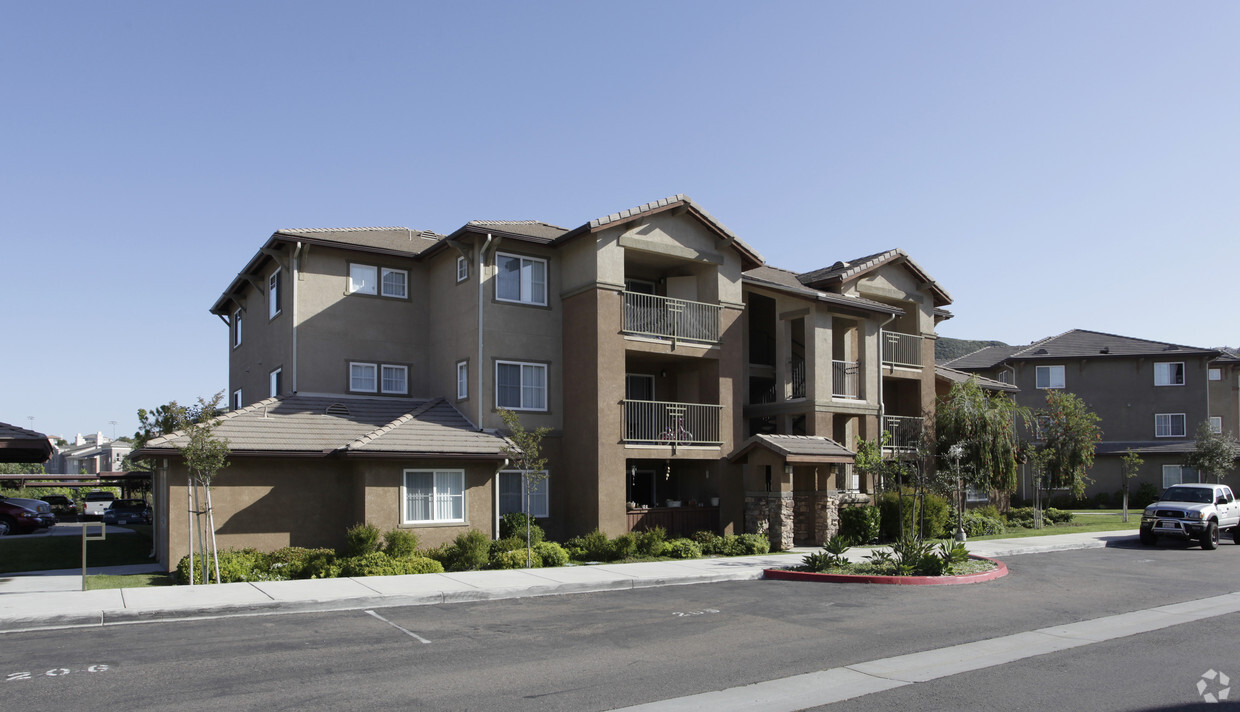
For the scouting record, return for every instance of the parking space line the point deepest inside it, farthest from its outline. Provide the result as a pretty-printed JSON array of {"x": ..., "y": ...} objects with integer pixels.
[{"x": 409, "y": 633}]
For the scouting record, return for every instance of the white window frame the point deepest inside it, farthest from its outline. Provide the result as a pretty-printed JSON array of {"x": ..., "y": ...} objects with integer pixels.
[
  {"x": 529, "y": 294},
  {"x": 536, "y": 503},
  {"x": 462, "y": 380},
  {"x": 462, "y": 269},
  {"x": 273, "y": 382},
  {"x": 1164, "y": 373},
  {"x": 363, "y": 279},
  {"x": 384, "y": 370},
  {"x": 236, "y": 403},
  {"x": 1216, "y": 374},
  {"x": 440, "y": 496},
  {"x": 274, "y": 305},
  {"x": 237, "y": 321},
  {"x": 384, "y": 272},
  {"x": 1216, "y": 424},
  {"x": 1050, "y": 371},
  {"x": 524, "y": 405},
  {"x": 1172, "y": 475},
  {"x": 374, "y": 377},
  {"x": 1166, "y": 422}
]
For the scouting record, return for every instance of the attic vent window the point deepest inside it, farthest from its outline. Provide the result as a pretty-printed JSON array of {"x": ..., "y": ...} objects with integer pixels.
[
  {"x": 337, "y": 409},
  {"x": 1040, "y": 352},
  {"x": 1105, "y": 350}
]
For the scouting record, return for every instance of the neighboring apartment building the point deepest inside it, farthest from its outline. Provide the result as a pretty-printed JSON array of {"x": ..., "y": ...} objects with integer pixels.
[
  {"x": 1150, "y": 396},
  {"x": 88, "y": 455},
  {"x": 685, "y": 383}
]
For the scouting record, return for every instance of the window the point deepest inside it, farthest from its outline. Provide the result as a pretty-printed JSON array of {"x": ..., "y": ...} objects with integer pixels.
[
  {"x": 1049, "y": 377},
  {"x": 462, "y": 380},
  {"x": 434, "y": 496},
  {"x": 513, "y": 496},
  {"x": 237, "y": 399},
  {"x": 275, "y": 379},
  {"x": 1169, "y": 374},
  {"x": 520, "y": 279},
  {"x": 1216, "y": 374},
  {"x": 520, "y": 386},
  {"x": 462, "y": 269},
  {"x": 395, "y": 379},
  {"x": 1041, "y": 423},
  {"x": 395, "y": 283},
  {"x": 236, "y": 328},
  {"x": 362, "y": 279},
  {"x": 1177, "y": 475},
  {"x": 1169, "y": 425},
  {"x": 273, "y": 295},
  {"x": 976, "y": 494},
  {"x": 362, "y": 377},
  {"x": 1216, "y": 424}
]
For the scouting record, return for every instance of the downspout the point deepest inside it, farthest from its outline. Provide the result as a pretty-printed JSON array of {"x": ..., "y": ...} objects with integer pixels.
[
  {"x": 482, "y": 260},
  {"x": 296, "y": 266}
]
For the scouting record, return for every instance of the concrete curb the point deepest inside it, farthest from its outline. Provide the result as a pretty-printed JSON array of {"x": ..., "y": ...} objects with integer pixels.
[{"x": 999, "y": 571}]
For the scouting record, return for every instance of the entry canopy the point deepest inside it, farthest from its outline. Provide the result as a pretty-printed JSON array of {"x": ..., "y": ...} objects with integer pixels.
[{"x": 797, "y": 449}]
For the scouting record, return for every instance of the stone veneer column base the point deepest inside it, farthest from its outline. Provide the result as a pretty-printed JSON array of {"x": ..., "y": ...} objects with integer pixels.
[{"x": 772, "y": 513}]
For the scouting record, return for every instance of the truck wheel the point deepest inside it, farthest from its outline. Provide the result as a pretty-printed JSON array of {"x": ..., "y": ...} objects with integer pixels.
[
  {"x": 1209, "y": 537},
  {"x": 6, "y": 526},
  {"x": 1235, "y": 533},
  {"x": 1148, "y": 538}
]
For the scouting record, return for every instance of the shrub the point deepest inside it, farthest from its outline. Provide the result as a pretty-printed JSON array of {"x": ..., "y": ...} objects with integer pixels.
[
  {"x": 1145, "y": 495},
  {"x": 703, "y": 538},
  {"x": 295, "y": 562},
  {"x": 859, "y": 525},
  {"x": 1058, "y": 516},
  {"x": 932, "y": 511},
  {"x": 979, "y": 524},
  {"x": 1021, "y": 517},
  {"x": 652, "y": 541},
  {"x": 1102, "y": 500},
  {"x": 361, "y": 539},
  {"x": 377, "y": 563},
  {"x": 469, "y": 551},
  {"x": 752, "y": 544},
  {"x": 235, "y": 565},
  {"x": 624, "y": 546},
  {"x": 516, "y": 559},
  {"x": 684, "y": 549},
  {"x": 988, "y": 510},
  {"x": 513, "y": 525},
  {"x": 400, "y": 543},
  {"x": 831, "y": 556},
  {"x": 500, "y": 546},
  {"x": 551, "y": 553},
  {"x": 594, "y": 546}
]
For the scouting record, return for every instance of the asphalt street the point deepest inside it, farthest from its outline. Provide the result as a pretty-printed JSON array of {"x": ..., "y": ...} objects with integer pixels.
[{"x": 602, "y": 651}]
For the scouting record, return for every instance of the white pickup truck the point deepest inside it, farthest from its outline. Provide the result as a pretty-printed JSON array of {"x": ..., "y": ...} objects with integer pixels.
[
  {"x": 1192, "y": 511},
  {"x": 96, "y": 503}
]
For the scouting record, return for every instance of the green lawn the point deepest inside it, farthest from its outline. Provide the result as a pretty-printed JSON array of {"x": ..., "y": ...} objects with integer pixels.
[
  {"x": 1101, "y": 520},
  {"x": 65, "y": 552},
  {"x": 129, "y": 581}
]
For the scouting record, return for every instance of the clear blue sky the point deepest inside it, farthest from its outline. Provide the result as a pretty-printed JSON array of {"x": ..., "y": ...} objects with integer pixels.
[{"x": 1054, "y": 165}]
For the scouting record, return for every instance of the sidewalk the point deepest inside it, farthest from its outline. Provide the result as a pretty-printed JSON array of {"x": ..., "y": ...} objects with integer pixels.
[{"x": 53, "y": 598}]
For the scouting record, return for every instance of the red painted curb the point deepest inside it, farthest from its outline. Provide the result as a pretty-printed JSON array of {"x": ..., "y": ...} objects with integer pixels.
[{"x": 1000, "y": 570}]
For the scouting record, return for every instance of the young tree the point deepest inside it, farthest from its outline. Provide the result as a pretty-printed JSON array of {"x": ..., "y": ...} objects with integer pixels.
[
  {"x": 1215, "y": 453},
  {"x": 169, "y": 418},
  {"x": 1129, "y": 466},
  {"x": 205, "y": 455},
  {"x": 524, "y": 451},
  {"x": 1070, "y": 435},
  {"x": 984, "y": 427}
]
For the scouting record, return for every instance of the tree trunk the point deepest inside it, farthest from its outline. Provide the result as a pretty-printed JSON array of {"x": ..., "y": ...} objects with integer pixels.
[{"x": 215, "y": 553}]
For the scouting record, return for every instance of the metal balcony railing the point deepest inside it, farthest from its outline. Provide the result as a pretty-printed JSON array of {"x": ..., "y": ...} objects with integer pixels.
[
  {"x": 846, "y": 379},
  {"x": 667, "y": 318},
  {"x": 796, "y": 386},
  {"x": 665, "y": 423},
  {"x": 901, "y": 349},
  {"x": 904, "y": 431}
]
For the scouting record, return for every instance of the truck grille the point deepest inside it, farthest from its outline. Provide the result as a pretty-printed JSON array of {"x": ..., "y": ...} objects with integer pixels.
[{"x": 1170, "y": 513}]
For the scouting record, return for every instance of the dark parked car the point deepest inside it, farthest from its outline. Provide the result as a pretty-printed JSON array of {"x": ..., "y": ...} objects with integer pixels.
[
  {"x": 128, "y": 511},
  {"x": 22, "y": 516},
  {"x": 64, "y": 508}
]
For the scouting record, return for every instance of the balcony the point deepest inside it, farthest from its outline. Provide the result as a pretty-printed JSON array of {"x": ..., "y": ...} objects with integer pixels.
[
  {"x": 901, "y": 349},
  {"x": 674, "y": 424},
  {"x": 667, "y": 318},
  {"x": 904, "y": 432},
  {"x": 846, "y": 379}
]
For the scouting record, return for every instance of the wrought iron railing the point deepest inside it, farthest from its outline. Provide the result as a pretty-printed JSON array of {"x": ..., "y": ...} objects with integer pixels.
[
  {"x": 666, "y": 423},
  {"x": 901, "y": 349},
  {"x": 796, "y": 386},
  {"x": 667, "y": 318},
  {"x": 846, "y": 379},
  {"x": 904, "y": 431}
]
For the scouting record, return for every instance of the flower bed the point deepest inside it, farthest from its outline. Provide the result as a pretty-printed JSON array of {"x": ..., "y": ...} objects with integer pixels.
[{"x": 998, "y": 570}]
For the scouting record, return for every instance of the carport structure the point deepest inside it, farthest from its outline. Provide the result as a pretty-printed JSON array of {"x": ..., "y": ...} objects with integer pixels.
[{"x": 22, "y": 445}]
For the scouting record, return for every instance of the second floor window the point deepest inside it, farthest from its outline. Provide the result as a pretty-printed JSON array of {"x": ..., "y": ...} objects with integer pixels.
[
  {"x": 462, "y": 380},
  {"x": 395, "y": 379},
  {"x": 362, "y": 377},
  {"x": 391, "y": 379},
  {"x": 1169, "y": 374},
  {"x": 1169, "y": 425},
  {"x": 386, "y": 282},
  {"x": 520, "y": 279},
  {"x": 462, "y": 269},
  {"x": 236, "y": 399},
  {"x": 236, "y": 328},
  {"x": 273, "y": 295},
  {"x": 1216, "y": 424},
  {"x": 1216, "y": 374},
  {"x": 520, "y": 386},
  {"x": 1049, "y": 377},
  {"x": 276, "y": 379}
]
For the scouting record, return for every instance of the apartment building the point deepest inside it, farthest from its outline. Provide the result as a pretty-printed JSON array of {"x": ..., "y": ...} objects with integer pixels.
[
  {"x": 1150, "y": 395},
  {"x": 686, "y": 383}
]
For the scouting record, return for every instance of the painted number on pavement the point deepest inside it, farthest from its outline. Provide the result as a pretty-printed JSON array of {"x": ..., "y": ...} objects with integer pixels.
[{"x": 54, "y": 672}]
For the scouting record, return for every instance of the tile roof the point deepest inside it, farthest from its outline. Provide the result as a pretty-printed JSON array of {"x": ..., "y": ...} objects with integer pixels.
[
  {"x": 1178, "y": 447},
  {"x": 785, "y": 280},
  {"x": 984, "y": 358},
  {"x": 528, "y": 228},
  {"x": 846, "y": 270},
  {"x": 798, "y": 448},
  {"x": 322, "y": 425},
  {"x": 395, "y": 239},
  {"x": 1081, "y": 343},
  {"x": 956, "y": 376}
]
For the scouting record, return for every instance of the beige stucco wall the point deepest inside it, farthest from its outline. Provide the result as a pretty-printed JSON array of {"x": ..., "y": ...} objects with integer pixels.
[{"x": 266, "y": 344}]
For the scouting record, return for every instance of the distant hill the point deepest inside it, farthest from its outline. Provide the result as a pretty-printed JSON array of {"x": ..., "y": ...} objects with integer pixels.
[{"x": 946, "y": 349}]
